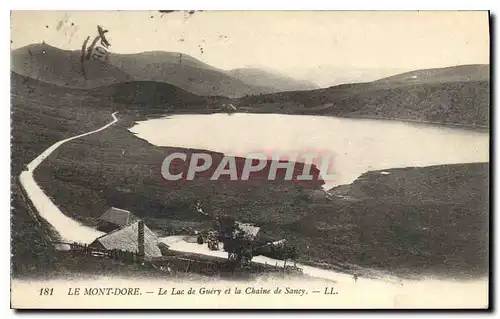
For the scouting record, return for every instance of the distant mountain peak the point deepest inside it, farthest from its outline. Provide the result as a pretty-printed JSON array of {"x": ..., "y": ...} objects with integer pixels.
[{"x": 278, "y": 82}]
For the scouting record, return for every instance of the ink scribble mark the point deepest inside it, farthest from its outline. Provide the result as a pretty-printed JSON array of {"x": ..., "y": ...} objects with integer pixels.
[
  {"x": 102, "y": 33},
  {"x": 84, "y": 47},
  {"x": 165, "y": 12},
  {"x": 91, "y": 47}
]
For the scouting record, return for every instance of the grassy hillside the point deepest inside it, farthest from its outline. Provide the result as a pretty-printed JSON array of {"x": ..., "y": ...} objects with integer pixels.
[
  {"x": 412, "y": 220},
  {"x": 458, "y": 102},
  {"x": 461, "y": 73},
  {"x": 64, "y": 68},
  {"x": 184, "y": 72},
  {"x": 441, "y": 98},
  {"x": 152, "y": 95},
  {"x": 41, "y": 114},
  {"x": 136, "y": 61},
  {"x": 44, "y": 113}
]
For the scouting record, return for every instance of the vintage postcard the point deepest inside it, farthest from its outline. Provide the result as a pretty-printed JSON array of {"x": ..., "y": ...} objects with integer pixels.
[{"x": 250, "y": 159}]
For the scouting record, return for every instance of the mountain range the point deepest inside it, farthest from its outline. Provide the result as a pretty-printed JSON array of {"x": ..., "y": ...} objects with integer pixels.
[
  {"x": 457, "y": 95},
  {"x": 62, "y": 67}
]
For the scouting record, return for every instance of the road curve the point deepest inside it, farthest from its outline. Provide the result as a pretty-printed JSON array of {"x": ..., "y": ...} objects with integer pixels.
[{"x": 68, "y": 229}]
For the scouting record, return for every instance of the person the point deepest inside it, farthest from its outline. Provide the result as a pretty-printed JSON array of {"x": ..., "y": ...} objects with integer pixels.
[{"x": 355, "y": 277}]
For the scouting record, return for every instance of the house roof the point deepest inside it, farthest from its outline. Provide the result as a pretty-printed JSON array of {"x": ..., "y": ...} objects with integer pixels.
[
  {"x": 127, "y": 239},
  {"x": 119, "y": 217},
  {"x": 250, "y": 230},
  {"x": 279, "y": 242}
]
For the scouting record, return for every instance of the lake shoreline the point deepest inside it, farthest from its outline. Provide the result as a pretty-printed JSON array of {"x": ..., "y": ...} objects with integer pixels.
[{"x": 344, "y": 139}]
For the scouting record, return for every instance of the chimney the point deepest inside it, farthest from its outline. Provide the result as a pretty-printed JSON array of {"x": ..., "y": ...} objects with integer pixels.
[{"x": 141, "y": 239}]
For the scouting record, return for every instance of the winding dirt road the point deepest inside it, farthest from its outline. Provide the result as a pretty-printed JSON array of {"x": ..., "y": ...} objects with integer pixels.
[{"x": 69, "y": 230}]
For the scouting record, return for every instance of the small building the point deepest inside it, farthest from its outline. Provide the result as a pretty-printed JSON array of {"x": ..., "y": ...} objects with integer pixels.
[
  {"x": 130, "y": 238},
  {"x": 250, "y": 231},
  {"x": 115, "y": 218}
]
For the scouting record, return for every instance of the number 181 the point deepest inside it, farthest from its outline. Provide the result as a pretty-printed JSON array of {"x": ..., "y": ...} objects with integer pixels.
[{"x": 46, "y": 291}]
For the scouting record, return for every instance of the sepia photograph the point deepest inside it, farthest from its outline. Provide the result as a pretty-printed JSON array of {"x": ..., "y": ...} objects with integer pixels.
[{"x": 172, "y": 159}]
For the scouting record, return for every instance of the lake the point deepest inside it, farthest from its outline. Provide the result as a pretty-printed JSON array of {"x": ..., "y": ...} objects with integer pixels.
[{"x": 354, "y": 145}]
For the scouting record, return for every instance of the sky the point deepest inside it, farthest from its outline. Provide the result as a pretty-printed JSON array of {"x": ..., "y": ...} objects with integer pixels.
[{"x": 326, "y": 47}]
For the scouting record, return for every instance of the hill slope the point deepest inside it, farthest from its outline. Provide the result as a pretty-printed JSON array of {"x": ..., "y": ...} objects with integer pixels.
[
  {"x": 421, "y": 218},
  {"x": 49, "y": 64},
  {"x": 461, "y": 73},
  {"x": 458, "y": 95},
  {"x": 138, "y": 60},
  {"x": 147, "y": 94},
  {"x": 184, "y": 72},
  {"x": 61, "y": 67}
]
